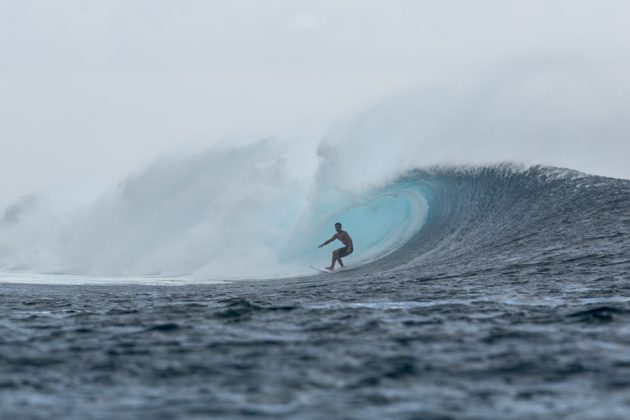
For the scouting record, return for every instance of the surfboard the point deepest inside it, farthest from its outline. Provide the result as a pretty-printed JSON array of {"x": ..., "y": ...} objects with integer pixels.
[{"x": 322, "y": 270}]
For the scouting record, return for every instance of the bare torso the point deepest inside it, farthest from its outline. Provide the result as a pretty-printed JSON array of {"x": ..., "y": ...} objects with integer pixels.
[{"x": 345, "y": 238}]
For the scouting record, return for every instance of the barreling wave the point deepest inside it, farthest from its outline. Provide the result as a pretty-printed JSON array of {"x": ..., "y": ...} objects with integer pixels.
[
  {"x": 511, "y": 218},
  {"x": 171, "y": 222}
]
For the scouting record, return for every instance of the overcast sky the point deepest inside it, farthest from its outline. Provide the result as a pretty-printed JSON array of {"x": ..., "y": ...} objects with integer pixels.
[{"x": 91, "y": 90}]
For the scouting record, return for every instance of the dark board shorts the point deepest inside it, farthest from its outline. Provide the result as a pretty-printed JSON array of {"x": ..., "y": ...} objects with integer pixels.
[{"x": 342, "y": 252}]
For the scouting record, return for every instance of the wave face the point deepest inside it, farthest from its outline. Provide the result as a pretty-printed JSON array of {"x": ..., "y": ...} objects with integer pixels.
[
  {"x": 202, "y": 219},
  {"x": 537, "y": 221}
]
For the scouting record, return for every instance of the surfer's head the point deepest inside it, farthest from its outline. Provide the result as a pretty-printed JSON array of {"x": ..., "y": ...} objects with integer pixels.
[{"x": 337, "y": 226}]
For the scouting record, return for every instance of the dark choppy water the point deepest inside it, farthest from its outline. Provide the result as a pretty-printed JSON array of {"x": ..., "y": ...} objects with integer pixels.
[{"x": 513, "y": 301}]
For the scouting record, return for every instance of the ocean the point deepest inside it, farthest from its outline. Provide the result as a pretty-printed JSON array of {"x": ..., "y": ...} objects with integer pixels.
[{"x": 485, "y": 292}]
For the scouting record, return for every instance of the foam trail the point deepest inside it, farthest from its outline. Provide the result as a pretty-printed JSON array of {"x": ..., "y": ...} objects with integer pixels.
[{"x": 202, "y": 214}]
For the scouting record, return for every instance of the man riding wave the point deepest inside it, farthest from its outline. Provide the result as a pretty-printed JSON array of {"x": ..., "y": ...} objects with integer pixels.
[{"x": 338, "y": 254}]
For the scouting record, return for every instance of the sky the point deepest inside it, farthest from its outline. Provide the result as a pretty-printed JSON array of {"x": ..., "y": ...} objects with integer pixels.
[{"x": 92, "y": 90}]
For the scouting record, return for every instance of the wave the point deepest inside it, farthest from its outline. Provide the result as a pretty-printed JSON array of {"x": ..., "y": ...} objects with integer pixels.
[
  {"x": 513, "y": 219},
  {"x": 237, "y": 214},
  {"x": 260, "y": 210},
  {"x": 224, "y": 214}
]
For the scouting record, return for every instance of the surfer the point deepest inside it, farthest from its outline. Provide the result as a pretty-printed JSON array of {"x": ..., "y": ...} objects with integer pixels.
[{"x": 338, "y": 254}]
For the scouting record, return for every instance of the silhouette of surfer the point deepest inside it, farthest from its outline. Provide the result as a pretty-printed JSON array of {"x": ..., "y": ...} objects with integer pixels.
[{"x": 338, "y": 254}]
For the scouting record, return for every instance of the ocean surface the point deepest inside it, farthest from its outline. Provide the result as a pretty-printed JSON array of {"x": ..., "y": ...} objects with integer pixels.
[{"x": 506, "y": 295}]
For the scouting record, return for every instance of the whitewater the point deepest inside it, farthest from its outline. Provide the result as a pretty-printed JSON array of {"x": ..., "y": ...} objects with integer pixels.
[{"x": 476, "y": 290}]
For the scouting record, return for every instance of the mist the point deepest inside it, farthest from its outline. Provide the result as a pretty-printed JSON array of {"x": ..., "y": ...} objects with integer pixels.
[{"x": 93, "y": 92}]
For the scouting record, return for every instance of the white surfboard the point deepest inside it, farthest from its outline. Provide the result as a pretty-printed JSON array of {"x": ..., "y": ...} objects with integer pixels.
[{"x": 322, "y": 270}]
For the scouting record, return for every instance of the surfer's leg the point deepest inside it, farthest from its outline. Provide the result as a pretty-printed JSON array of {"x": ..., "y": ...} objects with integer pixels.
[
  {"x": 341, "y": 252},
  {"x": 334, "y": 259}
]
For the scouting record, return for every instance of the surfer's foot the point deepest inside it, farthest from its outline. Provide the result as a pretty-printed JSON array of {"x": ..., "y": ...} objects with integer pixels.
[{"x": 329, "y": 268}]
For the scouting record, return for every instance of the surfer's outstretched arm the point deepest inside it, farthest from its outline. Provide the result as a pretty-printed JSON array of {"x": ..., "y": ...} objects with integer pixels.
[{"x": 329, "y": 241}]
